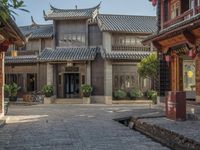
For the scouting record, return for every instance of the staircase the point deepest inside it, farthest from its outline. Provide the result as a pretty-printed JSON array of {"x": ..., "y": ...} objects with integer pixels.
[{"x": 69, "y": 101}]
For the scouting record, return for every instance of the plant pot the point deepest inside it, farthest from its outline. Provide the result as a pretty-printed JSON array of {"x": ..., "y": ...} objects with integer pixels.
[
  {"x": 86, "y": 94},
  {"x": 49, "y": 100},
  {"x": 13, "y": 98},
  {"x": 86, "y": 100},
  {"x": 6, "y": 104},
  {"x": 48, "y": 94}
]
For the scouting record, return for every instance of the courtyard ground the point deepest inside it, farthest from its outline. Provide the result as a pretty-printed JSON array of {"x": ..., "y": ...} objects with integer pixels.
[{"x": 73, "y": 127}]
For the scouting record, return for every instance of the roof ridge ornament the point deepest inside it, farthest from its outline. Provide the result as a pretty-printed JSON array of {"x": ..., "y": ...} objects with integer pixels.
[
  {"x": 33, "y": 21},
  {"x": 52, "y": 7}
]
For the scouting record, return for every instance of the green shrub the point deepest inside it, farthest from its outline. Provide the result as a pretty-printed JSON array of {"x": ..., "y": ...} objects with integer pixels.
[
  {"x": 135, "y": 93},
  {"x": 48, "y": 90},
  {"x": 86, "y": 90},
  {"x": 152, "y": 95},
  {"x": 120, "y": 94},
  {"x": 11, "y": 89}
]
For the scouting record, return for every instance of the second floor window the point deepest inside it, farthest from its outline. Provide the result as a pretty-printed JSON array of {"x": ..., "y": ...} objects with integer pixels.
[
  {"x": 198, "y": 2},
  {"x": 127, "y": 41},
  {"x": 175, "y": 9},
  {"x": 192, "y": 4}
]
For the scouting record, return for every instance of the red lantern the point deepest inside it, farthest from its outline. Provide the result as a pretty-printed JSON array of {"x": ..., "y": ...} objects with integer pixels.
[
  {"x": 167, "y": 58},
  {"x": 154, "y": 2},
  {"x": 192, "y": 53}
]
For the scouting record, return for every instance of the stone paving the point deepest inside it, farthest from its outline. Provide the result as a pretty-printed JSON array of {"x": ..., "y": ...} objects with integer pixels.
[{"x": 73, "y": 127}]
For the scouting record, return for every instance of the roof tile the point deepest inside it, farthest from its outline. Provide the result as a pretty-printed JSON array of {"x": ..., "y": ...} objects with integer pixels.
[
  {"x": 127, "y": 23},
  {"x": 69, "y": 54}
]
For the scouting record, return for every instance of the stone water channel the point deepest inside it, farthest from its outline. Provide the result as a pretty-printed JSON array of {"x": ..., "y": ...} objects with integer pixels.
[{"x": 165, "y": 136}]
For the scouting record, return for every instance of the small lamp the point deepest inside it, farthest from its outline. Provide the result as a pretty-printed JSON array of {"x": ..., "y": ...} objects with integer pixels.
[{"x": 14, "y": 53}]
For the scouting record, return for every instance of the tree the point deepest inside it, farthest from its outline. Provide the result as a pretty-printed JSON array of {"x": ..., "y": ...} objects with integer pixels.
[
  {"x": 8, "y": 8},
  {"x": 148, "y": 67}
]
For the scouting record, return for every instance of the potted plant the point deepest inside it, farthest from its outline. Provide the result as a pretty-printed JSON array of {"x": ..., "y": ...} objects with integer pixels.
[
  {"x": 48, "y": 92},
  {"x": 120, "y": 94},
  {"x": 11, "y": 90},
  {"x": 86, "y": 91},
  {"x": 135, "y": 93},
  {"x": 152, "y": 95}
]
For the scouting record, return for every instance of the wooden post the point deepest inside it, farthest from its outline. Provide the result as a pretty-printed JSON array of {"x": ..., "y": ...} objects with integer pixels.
[
  {"x": 197, "y": 61},
  {"x": 176, "y": 74},
  {"x": 1, "y": 84}
]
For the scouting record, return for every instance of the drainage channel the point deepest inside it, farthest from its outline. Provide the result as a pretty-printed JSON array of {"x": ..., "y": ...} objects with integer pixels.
[{"x": 161, "y": 135}]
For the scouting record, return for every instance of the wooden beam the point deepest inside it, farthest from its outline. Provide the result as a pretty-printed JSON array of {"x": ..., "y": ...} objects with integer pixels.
[
  {"x": 191, "y": 39},
  {"x": 157, "y": 45}
]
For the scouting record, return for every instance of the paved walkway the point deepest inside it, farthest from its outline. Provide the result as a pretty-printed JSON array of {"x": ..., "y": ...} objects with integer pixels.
[{"x": 73, "y": 127}]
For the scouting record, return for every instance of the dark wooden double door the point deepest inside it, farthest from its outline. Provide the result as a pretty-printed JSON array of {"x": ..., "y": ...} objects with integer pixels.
[{"x": 71, "y": 85}]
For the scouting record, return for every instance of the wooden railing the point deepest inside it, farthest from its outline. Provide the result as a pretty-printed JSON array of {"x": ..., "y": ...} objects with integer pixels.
[
  {"x": 182, "y": 17},
  {"x": 131, "y": 48}
]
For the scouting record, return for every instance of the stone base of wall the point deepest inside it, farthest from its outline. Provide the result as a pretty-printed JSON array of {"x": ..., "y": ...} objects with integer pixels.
[
  {"x": 97, "y": 99},
  {"x": 49, "y": 100},
  {"x": 197, "y": 98},
  {"x": 101, "y": 100},
  {"x": 108, "y": 100},
  {"x": 160, "y": 99}
]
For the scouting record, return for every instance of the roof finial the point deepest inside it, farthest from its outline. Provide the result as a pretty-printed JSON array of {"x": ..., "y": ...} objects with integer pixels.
[
  {"x": 99, "y": 4},
  {"x": 33, "y": 21},
  {"x": 76, "y": 7},
  {"x": 52, "y": 7},
  {"x": 34, "y": 24}
]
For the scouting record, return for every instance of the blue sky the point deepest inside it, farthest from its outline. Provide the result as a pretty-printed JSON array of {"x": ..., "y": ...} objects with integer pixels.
[{"x": 130, "y": 7}]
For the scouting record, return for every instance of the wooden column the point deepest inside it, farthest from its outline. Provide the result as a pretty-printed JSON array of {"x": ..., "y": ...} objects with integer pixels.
[
  {"x": 1, "y": 83},
  {"x": 176, "y": 73},
  {"x": 197, "y": 61}
]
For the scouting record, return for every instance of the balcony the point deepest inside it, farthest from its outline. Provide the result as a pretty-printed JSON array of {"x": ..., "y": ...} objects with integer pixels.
[{"x": 186, "y": 15}]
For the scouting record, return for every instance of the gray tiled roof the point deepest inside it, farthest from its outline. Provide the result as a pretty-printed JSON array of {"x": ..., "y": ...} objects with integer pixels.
[
  {"x": 37, "y": 31},
  {"x": 136, "y": 55},
  {"x": 56, "y": 13},
  {"x": 127, "y": 23},
  {"x": 68, "y": 54},
  {"x": 21, "y": 59}
]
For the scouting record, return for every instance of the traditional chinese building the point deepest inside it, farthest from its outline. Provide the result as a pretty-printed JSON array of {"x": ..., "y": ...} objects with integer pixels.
[
  {"x": 177, "y": 41},
  {"x": 82, "y": 46},
  {"x": 9, "y": 34}
]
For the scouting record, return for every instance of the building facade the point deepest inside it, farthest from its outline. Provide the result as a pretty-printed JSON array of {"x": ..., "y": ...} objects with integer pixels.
[
  {"x": 177, "y": 41},
  {"x": 82, "y": 47}
]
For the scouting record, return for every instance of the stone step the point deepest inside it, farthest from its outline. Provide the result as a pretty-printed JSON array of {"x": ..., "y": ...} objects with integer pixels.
[
  {"x": 69, "y": 101},
  {"x": 149, "y": 102}
]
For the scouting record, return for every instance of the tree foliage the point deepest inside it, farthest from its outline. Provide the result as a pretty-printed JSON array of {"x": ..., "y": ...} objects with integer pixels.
[
  {"x": 9, "y": 8},
  {"x": 147, "y": 68}
]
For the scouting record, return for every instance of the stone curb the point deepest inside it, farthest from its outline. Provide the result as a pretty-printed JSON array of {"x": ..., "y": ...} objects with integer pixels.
[
  {"x": 2, "y": 123},
  {"x": 166, "y": 137}
]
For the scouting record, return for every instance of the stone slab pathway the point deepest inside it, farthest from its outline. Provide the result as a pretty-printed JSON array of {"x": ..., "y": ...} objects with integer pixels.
[{"x": 73, "y": 127}]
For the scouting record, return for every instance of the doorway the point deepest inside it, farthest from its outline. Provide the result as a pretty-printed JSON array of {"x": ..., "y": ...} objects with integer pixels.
[{"x": 71, "y": 85}]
